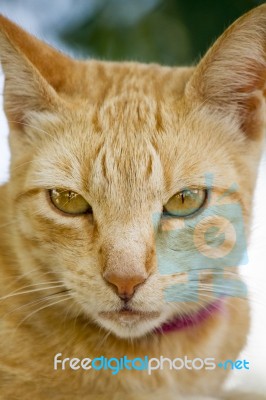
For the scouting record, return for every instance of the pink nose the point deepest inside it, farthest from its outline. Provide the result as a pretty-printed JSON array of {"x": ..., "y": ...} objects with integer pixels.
[{"x": 125, "y": 286}]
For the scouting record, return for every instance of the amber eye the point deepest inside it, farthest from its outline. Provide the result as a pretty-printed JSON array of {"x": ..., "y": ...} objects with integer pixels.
[
  {"x": 69, "y": 202},
  {"x": 186, "y": 202}
]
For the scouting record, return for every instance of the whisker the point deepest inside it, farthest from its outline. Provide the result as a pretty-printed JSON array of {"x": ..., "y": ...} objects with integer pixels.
[
  {"x": 25, "y": 275},
  {"x": 36, "y": 284},
  {"x": 65, "y": 297},
  {"x": 34, "y": 302},
  {"x": 29, "y": 292}
]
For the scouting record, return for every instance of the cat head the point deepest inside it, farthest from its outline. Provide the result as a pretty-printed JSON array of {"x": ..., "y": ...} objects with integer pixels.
[{"x": 114, "y": 165}]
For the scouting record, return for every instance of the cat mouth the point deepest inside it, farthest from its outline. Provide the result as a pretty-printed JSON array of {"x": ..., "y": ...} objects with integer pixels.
[
  {"x": 153, "y": 321},
  {"x": 128, "y": 314}
]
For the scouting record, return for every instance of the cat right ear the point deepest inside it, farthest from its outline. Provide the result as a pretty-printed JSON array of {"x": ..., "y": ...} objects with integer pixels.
[
  {"x": 231, "y": 77},
  {"x": 33, "y": 73}
]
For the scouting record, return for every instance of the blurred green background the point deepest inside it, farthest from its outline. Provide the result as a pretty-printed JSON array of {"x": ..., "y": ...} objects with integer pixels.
[{"x": 166, "y": 31}]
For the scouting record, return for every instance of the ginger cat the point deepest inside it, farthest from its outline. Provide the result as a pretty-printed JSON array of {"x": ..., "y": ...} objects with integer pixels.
[{"x": 109, "y": 162}]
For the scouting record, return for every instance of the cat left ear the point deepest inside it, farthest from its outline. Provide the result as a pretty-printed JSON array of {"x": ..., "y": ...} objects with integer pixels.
[
  {"x": 34, "y": 72},
  {"x": 231, "y": 78}
]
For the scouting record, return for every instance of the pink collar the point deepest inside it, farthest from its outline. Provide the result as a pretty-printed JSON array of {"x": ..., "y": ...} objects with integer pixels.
[{"x": 186, "y": 321}]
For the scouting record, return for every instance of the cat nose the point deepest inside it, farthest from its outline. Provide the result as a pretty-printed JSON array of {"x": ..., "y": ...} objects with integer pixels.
[{"x": 125, "y": 286}]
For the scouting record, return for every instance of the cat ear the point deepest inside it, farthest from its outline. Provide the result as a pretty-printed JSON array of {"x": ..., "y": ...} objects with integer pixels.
[
  {"x": 232, "y": 76},
  {"x": 34, "y": 72}
]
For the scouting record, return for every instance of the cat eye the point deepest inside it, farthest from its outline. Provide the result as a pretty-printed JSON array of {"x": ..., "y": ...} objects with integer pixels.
[
  {"x": 185, "y": 203},
  {"x": 69, "y": 202}
]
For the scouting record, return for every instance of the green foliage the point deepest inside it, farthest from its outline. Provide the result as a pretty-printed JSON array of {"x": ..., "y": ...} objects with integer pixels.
[{"x": 170, "y": 32}]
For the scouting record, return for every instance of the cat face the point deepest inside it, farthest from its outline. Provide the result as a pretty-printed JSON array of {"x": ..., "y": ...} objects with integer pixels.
[
  {"x": 101, "y": 151},
  {"x": 126, "y": 181}
]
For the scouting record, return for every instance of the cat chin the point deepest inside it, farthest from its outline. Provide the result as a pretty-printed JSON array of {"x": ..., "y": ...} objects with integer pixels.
[{"x": 126, "y": 328}]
